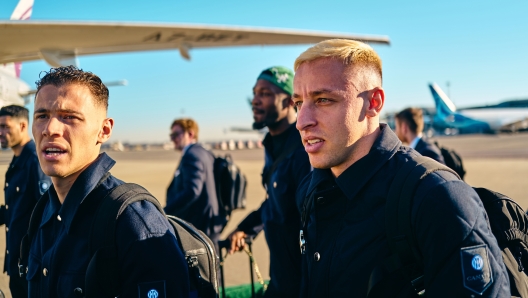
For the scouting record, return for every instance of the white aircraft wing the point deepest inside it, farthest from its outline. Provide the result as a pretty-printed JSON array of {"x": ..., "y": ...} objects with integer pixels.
[{"x": 59, "y": 42}]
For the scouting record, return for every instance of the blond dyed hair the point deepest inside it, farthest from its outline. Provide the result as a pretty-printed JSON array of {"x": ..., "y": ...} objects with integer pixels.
[{"x": 350, "y": 52}]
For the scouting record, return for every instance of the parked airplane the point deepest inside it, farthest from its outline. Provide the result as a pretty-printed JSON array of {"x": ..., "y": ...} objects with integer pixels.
[
  {"x": 12, "y": 88},
  {"x": 507, "y": 117},
  {"x": 60, "y": 43}
]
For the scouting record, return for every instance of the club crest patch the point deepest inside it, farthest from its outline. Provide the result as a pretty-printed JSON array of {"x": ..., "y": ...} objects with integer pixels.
[
  {"x": 154, "y": 289},
  {"x": 476, "y": 269},
  {"x": 43, "y": 186}
]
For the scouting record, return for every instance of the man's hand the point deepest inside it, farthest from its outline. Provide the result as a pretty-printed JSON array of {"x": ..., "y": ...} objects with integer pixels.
[{"x": 237, "y": 241}]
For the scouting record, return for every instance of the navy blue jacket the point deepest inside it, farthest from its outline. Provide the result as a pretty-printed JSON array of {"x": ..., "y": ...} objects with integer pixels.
[
  {"x": 279, "y": 217},
  {"x": 345, "y": 229},
  {"x": 24, "y": 185},
  {"x": 191, "y": 195},
  {"x": 430, "y": 150},
  {"x": 148, "y": 255}
]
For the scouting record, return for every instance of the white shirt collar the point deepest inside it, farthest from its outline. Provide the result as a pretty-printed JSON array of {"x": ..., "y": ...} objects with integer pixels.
[{"x": 415, "y": 141}]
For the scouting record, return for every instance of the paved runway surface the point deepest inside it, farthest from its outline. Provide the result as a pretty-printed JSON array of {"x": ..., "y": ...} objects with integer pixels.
[{"x": 497, "y": 162}]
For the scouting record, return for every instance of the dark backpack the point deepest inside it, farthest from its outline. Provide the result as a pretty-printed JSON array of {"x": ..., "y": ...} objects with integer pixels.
[
  {"x": 102, "y": 273},
  {"x": 230, "y": 185},
  {"x": 452, "y": 160},
  {"x": 508, "y": 222}
]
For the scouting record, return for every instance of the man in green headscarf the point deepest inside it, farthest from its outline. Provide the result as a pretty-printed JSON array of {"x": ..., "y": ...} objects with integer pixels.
[{"x": 286, "y": 164}]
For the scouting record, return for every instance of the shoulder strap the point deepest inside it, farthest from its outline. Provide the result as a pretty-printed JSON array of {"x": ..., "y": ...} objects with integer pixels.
[
  {"x": 102, "y": 272},
  {"x": 112, "y": 205},
  {"x": 289, "y": 149},
  {"x": 398, "y": 226},
  {"x": 398, "y": 210}
]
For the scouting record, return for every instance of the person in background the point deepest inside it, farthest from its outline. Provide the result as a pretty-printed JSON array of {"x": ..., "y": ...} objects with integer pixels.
[
  {"x": 286, "y": 164},
  {"x": 24, "y": 184},
  {"x": 191, "y": 195},
  {"x": 409, "y": 128}
]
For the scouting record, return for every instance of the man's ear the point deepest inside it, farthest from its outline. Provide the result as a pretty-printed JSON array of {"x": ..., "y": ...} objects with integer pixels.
[
  {"x": 23, "y": 125},
  {"x": 404, "y": 127},
  {"x": 376, "y": 102},
  {"x": 192, "y": 135},
  {"x": 106, "y": 130}
]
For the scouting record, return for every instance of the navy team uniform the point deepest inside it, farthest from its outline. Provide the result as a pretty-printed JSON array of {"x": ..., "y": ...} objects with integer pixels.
[
  {"x": 430, "y": 150},
  {"x": 24, "y": 185},
  {"x": 345, "y": 230},
  {"x": 278, "y": 215},
  {"x": 149, "y": 258}
]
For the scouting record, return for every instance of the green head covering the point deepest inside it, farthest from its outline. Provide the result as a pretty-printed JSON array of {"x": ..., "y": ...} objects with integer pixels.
[{"x": 279, "y": 76}]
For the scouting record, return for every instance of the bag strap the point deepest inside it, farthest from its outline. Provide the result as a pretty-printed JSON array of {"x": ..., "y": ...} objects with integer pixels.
[
  {"x": 291, "y": 146},
  {"x": 398, "y": 225},
  {"x": 112, "y": 205},
  {"x": 102, "y": 271}
]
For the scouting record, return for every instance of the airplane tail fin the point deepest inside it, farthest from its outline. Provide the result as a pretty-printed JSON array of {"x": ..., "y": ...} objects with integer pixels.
[
  {"x": 22, "y": 12},
  {"x": 444, "y": 106}
]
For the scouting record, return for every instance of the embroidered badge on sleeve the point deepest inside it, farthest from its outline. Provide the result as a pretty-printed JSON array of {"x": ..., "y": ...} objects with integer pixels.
[
  {"x": 154, "y": 289},
  {"x": 476, "y": 268}
]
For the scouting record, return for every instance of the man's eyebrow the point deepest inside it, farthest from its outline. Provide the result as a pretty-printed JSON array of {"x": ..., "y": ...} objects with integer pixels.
[
  {"x": 321, "y": 91},
  {"x": 316, "y": 92},
  {"x": 67, "y": 111},
  {"x": 41, "y": 110}
]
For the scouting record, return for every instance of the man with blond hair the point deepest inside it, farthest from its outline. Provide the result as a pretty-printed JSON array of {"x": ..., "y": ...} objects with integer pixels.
[{"x": 339, "y": 97}]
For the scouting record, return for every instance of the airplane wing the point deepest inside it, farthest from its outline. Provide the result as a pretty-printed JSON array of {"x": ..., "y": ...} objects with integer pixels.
[{"x": 60, "y": 42}]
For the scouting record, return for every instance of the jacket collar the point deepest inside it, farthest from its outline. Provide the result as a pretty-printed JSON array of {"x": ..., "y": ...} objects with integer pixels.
[
  {"x": 268, "y": 138},
  {"x": 385, "y": 146},
  {"x": 81, "y": 188},
  {"x": 187, "y": 147}
]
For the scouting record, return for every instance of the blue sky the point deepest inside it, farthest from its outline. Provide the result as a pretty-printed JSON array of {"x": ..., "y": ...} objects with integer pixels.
[{"x": 481, "y": 48}]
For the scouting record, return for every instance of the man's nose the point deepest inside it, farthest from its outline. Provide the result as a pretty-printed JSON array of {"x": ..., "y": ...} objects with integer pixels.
[
  {"x": 306, "y": 117},
  {"x": 52, "y": 127},
  {"x": 255, "y": 101}
]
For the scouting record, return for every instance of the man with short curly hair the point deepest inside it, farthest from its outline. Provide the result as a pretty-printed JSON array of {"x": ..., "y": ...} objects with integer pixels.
[{"x": 70, "y": 124}]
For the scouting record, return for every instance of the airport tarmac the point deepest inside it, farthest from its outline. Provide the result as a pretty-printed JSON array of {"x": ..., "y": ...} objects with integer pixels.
[{"x": 499, "y": 162}]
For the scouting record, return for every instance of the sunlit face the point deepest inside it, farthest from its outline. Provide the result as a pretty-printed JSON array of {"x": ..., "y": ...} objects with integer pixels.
[
  {"x": 268, "y": 104},
  {"x": 69, "y": 128},
  {"x": 331, "y": 111},
  {"x": 10, "y": 131},
  {"x": 180, "y": 138}
]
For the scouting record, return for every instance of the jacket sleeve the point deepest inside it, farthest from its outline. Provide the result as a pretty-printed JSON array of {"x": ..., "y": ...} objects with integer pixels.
[
  {"x": 252, "y": 224},
  {"x": 193, "y": 179},
  {"x": 461, "y": 256},
  {"x": 148, "y": 254}
]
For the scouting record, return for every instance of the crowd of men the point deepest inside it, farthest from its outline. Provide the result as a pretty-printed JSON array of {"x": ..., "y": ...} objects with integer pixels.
[{"x": 329, "y": 164}]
